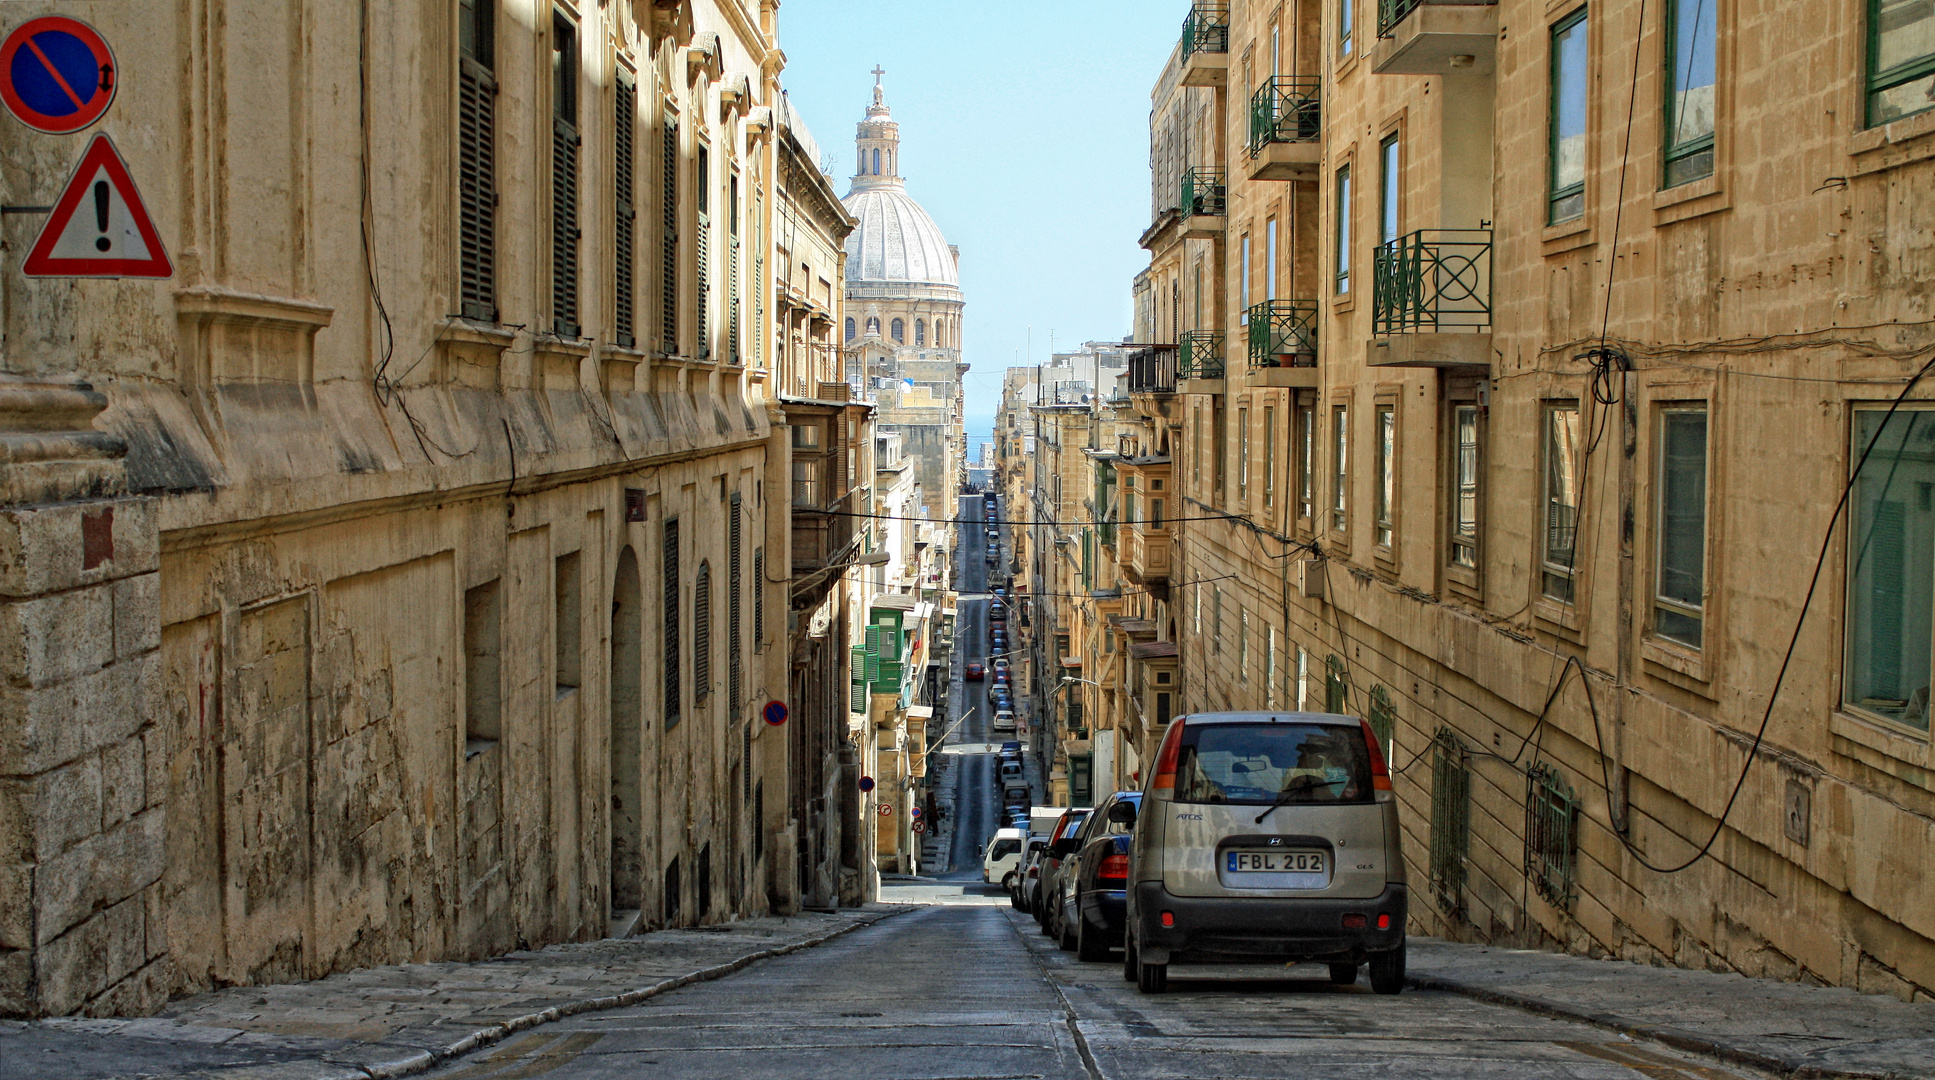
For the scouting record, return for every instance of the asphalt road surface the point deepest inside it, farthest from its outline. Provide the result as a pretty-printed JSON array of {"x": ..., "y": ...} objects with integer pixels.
[
  {"x": 973, "y": 991},
  {"x": 977, "y": 805}
]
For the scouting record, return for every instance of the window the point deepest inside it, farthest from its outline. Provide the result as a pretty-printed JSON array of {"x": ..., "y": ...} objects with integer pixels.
[
  {"x": 1306, "y": 436},
  {"x": 1242, "y": 645},
  {"x": 1216, "y": 620},
  {"x": 668, "y": 271},
  {"x": 1242, "y": 455},
  {"x": 1388, "y": 180},
  {"x": 1261, "y": 764},
  {"x": 483, "y": 670},
  {"x": 569, "y": 625},
  {"x": 1346, "y": 26},
  {"x": 732, "y": 270},
  {"x": 899, "y": 331},
  {"x": 1220, "y": 450},
  {"x": 1340, "y": 468},
  {"x": 1270, "y": 259},
  {"x": 1566, "y": 193},
  {"x": 1690, "y": 77},
  {"x": 1560, "y": 450},
  {"x": 759, "y": 599},
  {"x": 624, "y": 122},
  {"x": 1269, "y": 457},
  {"x": 1303, "y": 680},
  {"x": 1679, "y": 594},
  {"x": 476, "y": 162},
  {"x": 1901, "y": 59},
  {"x": 1464, "y": 486},
  {"x": 850, "y": 334},
  {"x": 702, "y": 632},
  {"x": 735, "y": 589},
  {"x": 703, "y": 263},
  {"x": 1384, "y": 512},
  {"x": 1891, "y": 553},
  {"x": 920, "y": 331},
  {"x": 669, "y": 585},
  {"x": 1243, "y": 273},
  {"x": 1342, "y": 253},
  {"x": 876, "y": 163},
  {"x": 1270, "y": 667},
  {"x": 564, "y": 176},
  {"x": 1155, "y": 513}
]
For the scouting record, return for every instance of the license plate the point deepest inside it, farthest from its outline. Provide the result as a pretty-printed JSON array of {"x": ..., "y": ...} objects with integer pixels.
[{"x": 1276, "y": 862}]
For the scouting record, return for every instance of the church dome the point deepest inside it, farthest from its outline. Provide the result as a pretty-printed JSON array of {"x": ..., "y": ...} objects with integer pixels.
[{"x": 895, "y": 239}]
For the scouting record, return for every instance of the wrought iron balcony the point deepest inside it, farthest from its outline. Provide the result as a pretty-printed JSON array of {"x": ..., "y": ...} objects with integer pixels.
[
  {"x": 1433, "y": 281},
  {"x": 1201, "y": 355},
  {"x": 1283, "y": 334},
  {"x": 1392, "y": 12},
  {"x": 1152, "y": 370},
  {"x": 1284, "y": 110},
  {"x": 1203, "y": 190},
  {"x": 1206, "y": 29}
]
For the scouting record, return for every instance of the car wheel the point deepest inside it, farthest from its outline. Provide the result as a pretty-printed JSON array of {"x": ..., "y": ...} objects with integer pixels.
[
  {"x": 1008, "y": 883},
  {"x": 1014, "y": 898},
  {"x": 1129, "y": 956},
  {"x": 1151, "y": 978},
  {"x": 1088, "y": 942},
  {"x": 1064, "y": 937},
  {"x": 1387, "y": 971},
  {"x": 1343, "y": 974}
]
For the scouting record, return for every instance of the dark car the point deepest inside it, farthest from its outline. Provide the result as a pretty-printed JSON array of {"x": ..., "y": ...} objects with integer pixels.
[
  {"x": 1043, "y": 884},
  {"x": 1095, "y": 877},
  {"x": 975, "y": 671}
]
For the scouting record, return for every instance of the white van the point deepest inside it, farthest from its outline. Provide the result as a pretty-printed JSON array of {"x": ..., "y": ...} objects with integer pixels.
[{"x": 1002, "y": 860}]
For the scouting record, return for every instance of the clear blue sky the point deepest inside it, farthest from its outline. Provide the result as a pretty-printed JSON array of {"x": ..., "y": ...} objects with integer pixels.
[{"x": 1025, "y": 133}]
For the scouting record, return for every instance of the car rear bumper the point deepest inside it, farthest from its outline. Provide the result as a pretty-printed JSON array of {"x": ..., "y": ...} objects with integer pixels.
[
  {"x": 1237, "y": 929},
  {"x": 1105, "y": 910}
]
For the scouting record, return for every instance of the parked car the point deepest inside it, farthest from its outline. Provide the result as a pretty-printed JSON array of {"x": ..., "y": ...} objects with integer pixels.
[
  {"x": 1268, "y": 835},
  {"x": 1000, "y": 664},
  {"x": 1012, "y": 746},
  {"x": 1007, "y": 772},
  {"x": 975, "y": 671},
  {"x": 1016, "y": 797},
  {"x": 1004, "y": 720},
  {"x": 1045, "y": 881},
  {"x": 1003, "y": 856},
  {"x": 1030, "y": 859},
  {"x": 1095, "y": 878}
]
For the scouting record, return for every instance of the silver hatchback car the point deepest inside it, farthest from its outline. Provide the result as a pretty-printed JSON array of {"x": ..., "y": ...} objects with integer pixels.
[{"x": 1267, "y": 837}]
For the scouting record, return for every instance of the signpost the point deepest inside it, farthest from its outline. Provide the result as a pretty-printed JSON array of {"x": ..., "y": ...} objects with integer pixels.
[
  {"x": 57, "y": 74},
  {"x": 99, "y": 226}
]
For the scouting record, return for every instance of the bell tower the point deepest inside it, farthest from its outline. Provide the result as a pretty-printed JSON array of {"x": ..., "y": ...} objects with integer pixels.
[{"x": 878, "y": 140}]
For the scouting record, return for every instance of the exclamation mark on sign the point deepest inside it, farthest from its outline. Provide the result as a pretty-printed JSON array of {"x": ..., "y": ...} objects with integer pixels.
[{"x": 100, "y": 215}]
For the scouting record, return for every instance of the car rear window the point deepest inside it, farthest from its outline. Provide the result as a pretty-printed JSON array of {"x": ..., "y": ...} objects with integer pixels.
[
  {"x": 1004, "y": 848},
  {"x": 1260, "y": 764}
]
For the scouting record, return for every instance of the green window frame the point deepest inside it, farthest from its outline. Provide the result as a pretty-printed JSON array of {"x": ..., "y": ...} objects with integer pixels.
[
  {"x": 1342, "y": 229},
  {"x": 1891, "y": 566},
  {"x": 1567, "y": 118},
  {"x": 1901, "y": 80},
  {"x": 1680, "y": 577},
  {"x": 1692, "y": 81}
]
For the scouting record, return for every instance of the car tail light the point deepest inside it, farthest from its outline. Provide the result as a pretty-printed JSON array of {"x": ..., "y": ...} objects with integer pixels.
[
  {"x": 1383, "y": 922},
  {"x": 1380, "y": 773},
  {"x": 1355, "y": 921},
  {"x": 1168, "y": 918},
  {"x": 1113, "y": 866},
  {"x": 1165, "y": 779}
]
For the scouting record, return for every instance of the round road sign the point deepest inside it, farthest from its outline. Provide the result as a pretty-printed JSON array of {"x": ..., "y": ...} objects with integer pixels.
[
  {"x": 774, "y": 712},
  {"x": 866, "y": 783},
  {"x": 57, "y": 74},
  {"x": 915, "y": 811},
  {"x": 920, "y": 826},
  {"x": 886, "y": 809}
]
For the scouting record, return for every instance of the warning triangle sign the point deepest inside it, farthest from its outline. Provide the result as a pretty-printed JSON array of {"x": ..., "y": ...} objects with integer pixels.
[{"x": 99, "y": 227}]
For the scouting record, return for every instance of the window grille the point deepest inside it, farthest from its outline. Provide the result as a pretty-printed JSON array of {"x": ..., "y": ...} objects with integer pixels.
[
  {"x": 1336, "y": 685},
  {"x": 1551, "y": 834},
  {"x": 477, "y": 176},
  {"x": 1383, "y": 719},
  {"x": 564, "y": 179},
  {"x": 625, "y": 215},
  {"x": 668, "y": 280},
  {"x": 702, "y": 631},
  {"x": 734, "y": 587},
  {"x": 1450, "y": 820},
  {"x": 669, "y": 564}
]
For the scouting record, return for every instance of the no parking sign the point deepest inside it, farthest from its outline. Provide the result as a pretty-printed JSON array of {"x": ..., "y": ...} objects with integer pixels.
[{"x": 57, "y": 74}]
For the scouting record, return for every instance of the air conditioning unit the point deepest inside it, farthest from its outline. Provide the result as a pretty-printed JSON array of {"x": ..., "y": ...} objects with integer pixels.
[{"x": 1309, "y": 573}]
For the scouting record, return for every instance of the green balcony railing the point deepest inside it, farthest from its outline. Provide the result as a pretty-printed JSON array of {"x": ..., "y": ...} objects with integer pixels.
[
  {"x": 1283, "y": 333},
  {"x": 1203, "y": 191},
  {"x": 1202, "y": 355},
  {"x": 1284, "y": 110},
  {"x": 1433, "y": 281},
  {"x": 1207, "y": 29}
]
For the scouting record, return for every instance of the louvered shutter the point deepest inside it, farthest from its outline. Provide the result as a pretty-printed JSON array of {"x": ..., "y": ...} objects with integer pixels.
[
  {"x": 857, "y": 679},
  {"x": 669, "y": 560},
  {"x": 759, "y": 598},
  {"x": 625, "y": 214},
  {"x": 702, "y": 632},
  {"x": 734, "y": 669},
  {"x": 564, "y": 228},
  {"x": 476, "y": 191},
  {"x": 704, "y": 256},
  {"x": 668, "y": 280}
]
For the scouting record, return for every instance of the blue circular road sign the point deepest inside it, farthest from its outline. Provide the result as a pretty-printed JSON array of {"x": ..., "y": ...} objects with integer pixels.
[{"x": 57, "y": 74}]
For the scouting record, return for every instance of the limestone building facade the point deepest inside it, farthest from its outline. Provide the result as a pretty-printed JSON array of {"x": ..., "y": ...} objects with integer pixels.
[{"x": 404, "y": 577}]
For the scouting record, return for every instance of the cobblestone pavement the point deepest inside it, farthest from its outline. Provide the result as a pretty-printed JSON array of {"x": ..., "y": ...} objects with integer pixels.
[{"x": 392, "y": 1021}]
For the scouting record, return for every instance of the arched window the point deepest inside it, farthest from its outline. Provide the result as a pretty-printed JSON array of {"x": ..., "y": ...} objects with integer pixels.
[
  {"x": 876, "y": 163},
  {"x": 849, "y": 328},
  {"x": 920, "y": 331},
  {"x": 873, "y": 324},
  {"x": 900, "y": 332}
]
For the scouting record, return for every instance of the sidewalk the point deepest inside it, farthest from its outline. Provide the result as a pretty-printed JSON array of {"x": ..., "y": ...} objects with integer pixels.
[
  {"x": 394, "y": 1021},
  {"x": 1784, "y": 1028}
]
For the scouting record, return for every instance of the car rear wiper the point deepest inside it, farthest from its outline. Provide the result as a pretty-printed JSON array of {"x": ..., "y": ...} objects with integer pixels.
[{"x": 1298, "y": 786}]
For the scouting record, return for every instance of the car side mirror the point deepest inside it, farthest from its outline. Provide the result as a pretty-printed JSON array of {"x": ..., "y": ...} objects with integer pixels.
[
  {"x": 1063, "y": 848},
  {"x": 1122, "y": 813}
]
